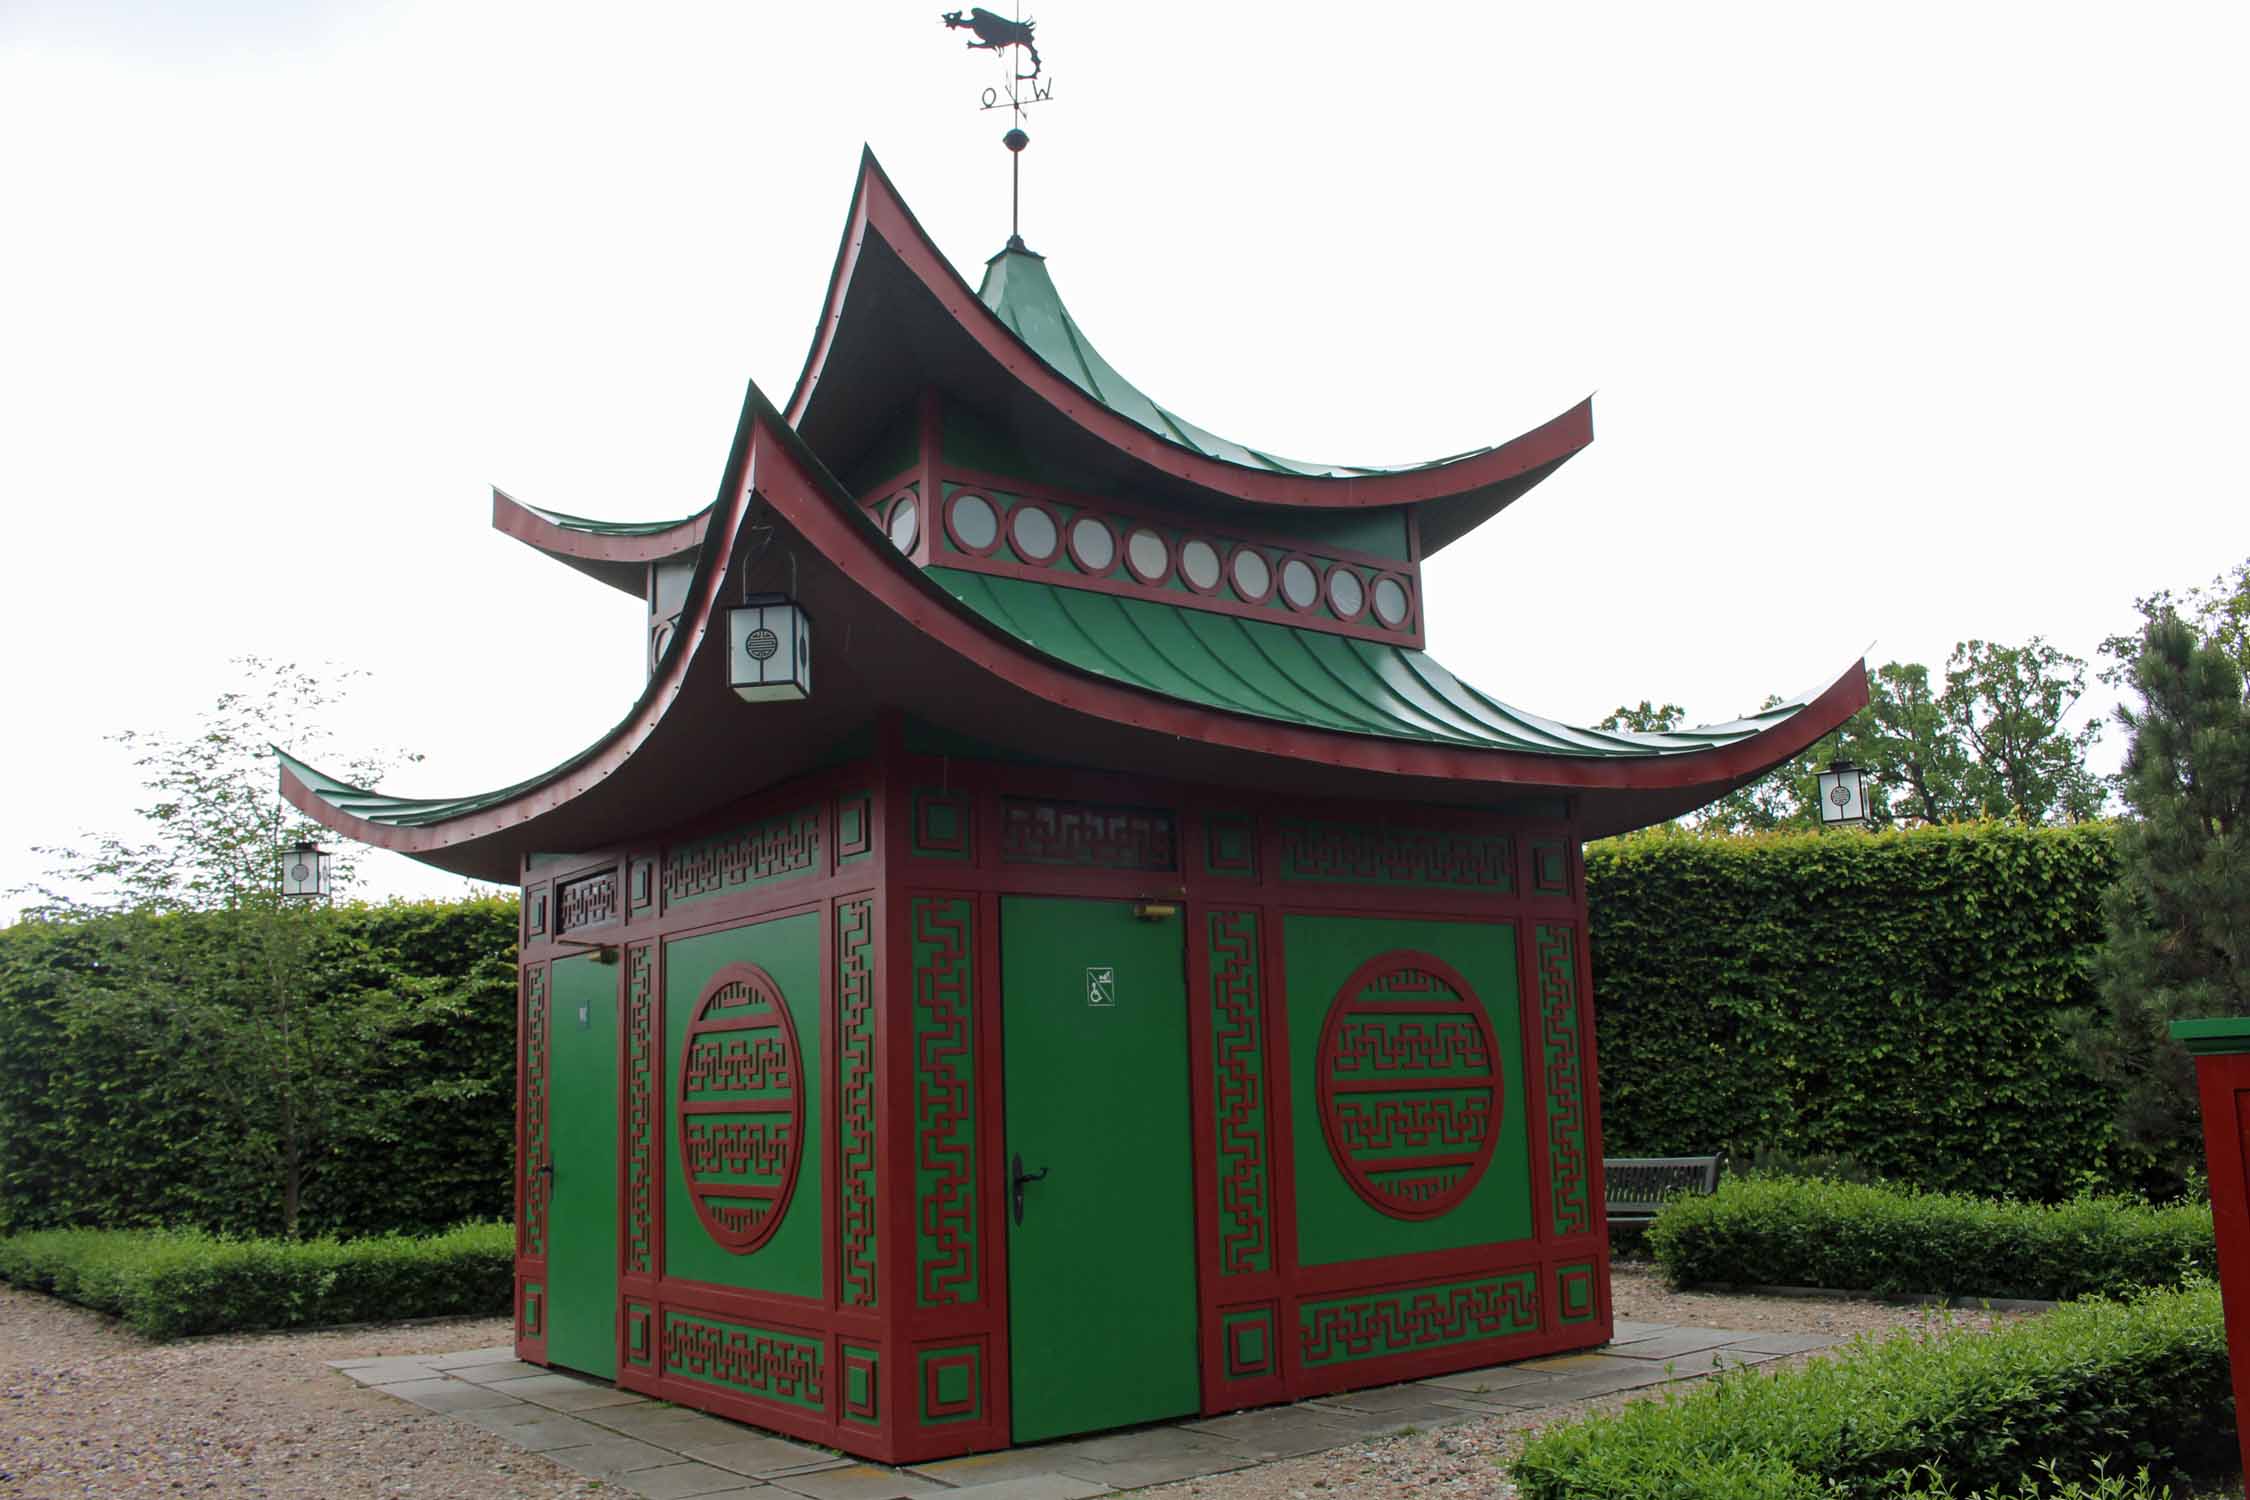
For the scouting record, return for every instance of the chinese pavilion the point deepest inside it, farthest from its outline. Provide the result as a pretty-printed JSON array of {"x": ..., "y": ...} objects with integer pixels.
[{"x": 1049, "y": 949}]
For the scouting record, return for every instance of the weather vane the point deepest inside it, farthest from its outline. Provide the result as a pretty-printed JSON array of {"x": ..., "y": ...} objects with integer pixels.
[{"x": 996, "y": 34}]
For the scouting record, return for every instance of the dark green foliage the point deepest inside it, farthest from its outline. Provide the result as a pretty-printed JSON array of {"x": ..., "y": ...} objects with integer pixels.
[
  {"x": 1804, "y": 1232},
  {"x": 2179, "y": 916},
  {"x": 1892, "y": 998},
  {"x": 2121, "y": 1384},
  {"x": 174, "y": 1284},
  {"x": 115, "y": 1113}
]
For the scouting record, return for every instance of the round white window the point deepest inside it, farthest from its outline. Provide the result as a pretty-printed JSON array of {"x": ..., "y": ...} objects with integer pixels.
[
  {"x": 1091, "y": 545},
  {"x": 1199, "y": 564},
  {"x": 1390, "y": 602},
  {"x": 1147, "y": 556},
  {"x": 906, "y": 525},
  {"x": 1346, "y": 594},
  {"x": 1253, "y": 575},
  {"x": 975, "y": 525},
  {"x": 1033, "y": 532},
  {"x": 1300, "y": 585}
]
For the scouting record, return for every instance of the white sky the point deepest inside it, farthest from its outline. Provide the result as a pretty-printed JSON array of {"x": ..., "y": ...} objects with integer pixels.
[{"x": 1909, "y": 324}]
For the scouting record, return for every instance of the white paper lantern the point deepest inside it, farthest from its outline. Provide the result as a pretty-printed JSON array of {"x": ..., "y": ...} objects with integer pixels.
[
  {"x": 1843, "y": 796},
  {"x": 769, "y": 650},
  {"x": 304, "y": 871}
]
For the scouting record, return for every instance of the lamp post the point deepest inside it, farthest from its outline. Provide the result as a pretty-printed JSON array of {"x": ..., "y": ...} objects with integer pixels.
[
  {"x": 1843, "y": 795},
  {"x": 304, "y": 872}
]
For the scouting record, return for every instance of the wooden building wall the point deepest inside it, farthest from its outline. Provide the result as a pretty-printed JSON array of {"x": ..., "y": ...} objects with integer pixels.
[{"x": 874, "y": 1316}]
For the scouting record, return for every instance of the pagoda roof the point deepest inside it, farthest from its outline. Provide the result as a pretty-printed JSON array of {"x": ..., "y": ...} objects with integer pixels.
[
  {"x": 898, "y": 316},
  {"x": 1088, "y": 679},
  {"x": 616, "y": 552}
]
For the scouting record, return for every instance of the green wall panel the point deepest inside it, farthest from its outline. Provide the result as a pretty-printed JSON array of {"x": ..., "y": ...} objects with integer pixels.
[
  {"x": 790, "y": 1261},
  {"x": 771, "y": 1364},
  {"x": 1334, "y": 1223}
]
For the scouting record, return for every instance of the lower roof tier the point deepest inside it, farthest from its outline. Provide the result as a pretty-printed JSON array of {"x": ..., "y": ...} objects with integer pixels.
[{"x": 1109, "y": 682}]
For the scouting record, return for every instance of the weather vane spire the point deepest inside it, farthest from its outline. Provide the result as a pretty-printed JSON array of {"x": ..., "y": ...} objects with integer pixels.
[{"x": 996, "y": 34}]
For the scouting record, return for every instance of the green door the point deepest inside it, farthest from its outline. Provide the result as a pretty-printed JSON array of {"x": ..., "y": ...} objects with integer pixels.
[
  {"x": 1101, "y": 1261},
  {"x": 582, "y": 1131}
]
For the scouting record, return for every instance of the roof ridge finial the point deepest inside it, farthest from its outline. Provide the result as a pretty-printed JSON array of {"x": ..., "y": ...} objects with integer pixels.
[{"x": 996, "y": 34}]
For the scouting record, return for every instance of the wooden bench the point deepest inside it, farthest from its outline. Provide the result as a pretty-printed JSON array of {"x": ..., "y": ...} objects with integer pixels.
[{"x": 1637, "y": 1186}]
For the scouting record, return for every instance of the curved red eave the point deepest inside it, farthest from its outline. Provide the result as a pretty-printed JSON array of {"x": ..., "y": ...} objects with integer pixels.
[
  {"x": 617, "y": 553},
  {"x": 913, "y": 638},
  {"x": 877, "y": 209}
]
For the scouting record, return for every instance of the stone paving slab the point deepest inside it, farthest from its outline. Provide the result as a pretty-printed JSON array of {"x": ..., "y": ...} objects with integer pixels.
[
  {"x": 565, "y": 1392},
  {"x": 1036, "y": 1487},
  {"x": 860, "y": 1482},
  {"x": 756, "y": 1456},
  {"x": 511, "y": 1369},
  {"x": 548, "y": 1430},
  {"x": 442, "y": 1395},
  {"x": 389, "y": 1371},
  {"x": 492, "y": 1355},
  {"x": 1675, "y": 1343},
  {"x": 690, "y": 1481},
  {"x": 662, "y": 1452},
  {"x": 610, "y": 1455}
]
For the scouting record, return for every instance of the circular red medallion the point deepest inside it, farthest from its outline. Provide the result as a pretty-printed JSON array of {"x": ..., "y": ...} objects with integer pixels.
[
  {"x": 1410, "y": 1092},
  {"x": 741, "y": 1108}
]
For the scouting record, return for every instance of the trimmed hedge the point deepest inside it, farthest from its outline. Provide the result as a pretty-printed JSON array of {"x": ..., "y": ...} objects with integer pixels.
[
  {"x": 1864, "y": 1237},
  {"x": 169, "y": 1285},
  {"x": 1892, "y": 998},
  {"x": 103, "y": 1126},
  {"x": 2143, "y": 1383}
]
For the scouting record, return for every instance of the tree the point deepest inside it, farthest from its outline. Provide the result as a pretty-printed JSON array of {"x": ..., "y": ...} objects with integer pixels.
[
  {"x": 282, "y": 1017},
  {"x": 2219, "y": 612},
  {"x": 1645, "y": 717},
  {"x": 2179, "y": 915},
  {"x": 1990, "y": 742}
]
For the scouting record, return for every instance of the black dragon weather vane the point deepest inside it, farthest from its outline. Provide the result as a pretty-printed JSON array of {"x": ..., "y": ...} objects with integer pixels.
[{"x": 996, "y": 34}]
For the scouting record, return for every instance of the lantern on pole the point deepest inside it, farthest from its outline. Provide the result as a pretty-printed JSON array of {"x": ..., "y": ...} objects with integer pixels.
[
  {"x": 304, "y": 871},
  {"x": 1843, "y": 795},
  {"x": 769, "y": 649}
]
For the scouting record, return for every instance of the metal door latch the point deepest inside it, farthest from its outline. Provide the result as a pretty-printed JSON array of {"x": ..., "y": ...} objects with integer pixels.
[{"x": 1017, "y": 1177}]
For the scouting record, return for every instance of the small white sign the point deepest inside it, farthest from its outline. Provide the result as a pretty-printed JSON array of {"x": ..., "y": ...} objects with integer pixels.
[{"x": 1101, "y": 986}]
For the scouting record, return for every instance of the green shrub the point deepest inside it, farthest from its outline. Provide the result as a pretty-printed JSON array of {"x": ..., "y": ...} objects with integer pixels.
[
  {"x": 173, "y": 1284},
  {"x": 2135, "y": 1384},
  {"x": 104, "y": 1126},
  {"x": 1868, "y": 1237},
  {"x": 1890, "y": 998}
]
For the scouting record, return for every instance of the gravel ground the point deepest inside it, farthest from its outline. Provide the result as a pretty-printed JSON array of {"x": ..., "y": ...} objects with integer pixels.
[
  {"x": 88, "y": 1409},
  {"x": 1468, "y": 1459}
]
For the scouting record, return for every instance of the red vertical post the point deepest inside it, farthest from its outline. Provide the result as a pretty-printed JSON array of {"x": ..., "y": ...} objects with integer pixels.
[{"x": 2222, "y": 1076}]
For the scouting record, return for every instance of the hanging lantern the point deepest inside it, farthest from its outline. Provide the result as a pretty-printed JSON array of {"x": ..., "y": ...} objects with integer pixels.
[
  {"x": 304, "y": 871},
  {"x": 769, "y": 649},
  {"x": 1843, "y": 796}
]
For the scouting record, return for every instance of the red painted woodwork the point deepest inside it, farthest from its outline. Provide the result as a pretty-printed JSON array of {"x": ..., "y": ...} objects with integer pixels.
[
  {"x": 889, "y": 1325},
  {"x": 2223, "y": 1089}
]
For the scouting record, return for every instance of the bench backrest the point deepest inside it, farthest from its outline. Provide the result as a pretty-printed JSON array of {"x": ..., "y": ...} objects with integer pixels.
[{"x": 1638, "y": 1185}]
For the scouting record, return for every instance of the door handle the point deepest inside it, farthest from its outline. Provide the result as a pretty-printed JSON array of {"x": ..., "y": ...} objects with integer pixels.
[
  {"x": 547, "y": 1183},
  {"x": 1017, "y": 1177}
]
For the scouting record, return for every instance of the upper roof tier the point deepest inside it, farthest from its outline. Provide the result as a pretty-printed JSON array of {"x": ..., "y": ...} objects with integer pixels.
[{"x": 898, "y": 317}]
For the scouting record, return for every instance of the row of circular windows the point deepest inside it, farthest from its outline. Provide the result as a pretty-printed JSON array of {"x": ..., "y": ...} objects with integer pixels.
[{"x": 973, "y": 524}]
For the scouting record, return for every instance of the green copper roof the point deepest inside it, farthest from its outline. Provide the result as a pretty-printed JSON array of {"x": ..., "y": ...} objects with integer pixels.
[
  {"x": 1018, "y": 289},
  {"x": 1297, "y": 676},
  {"x": 608, "y": 528},
  {"x": 405, "y": 812}
]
